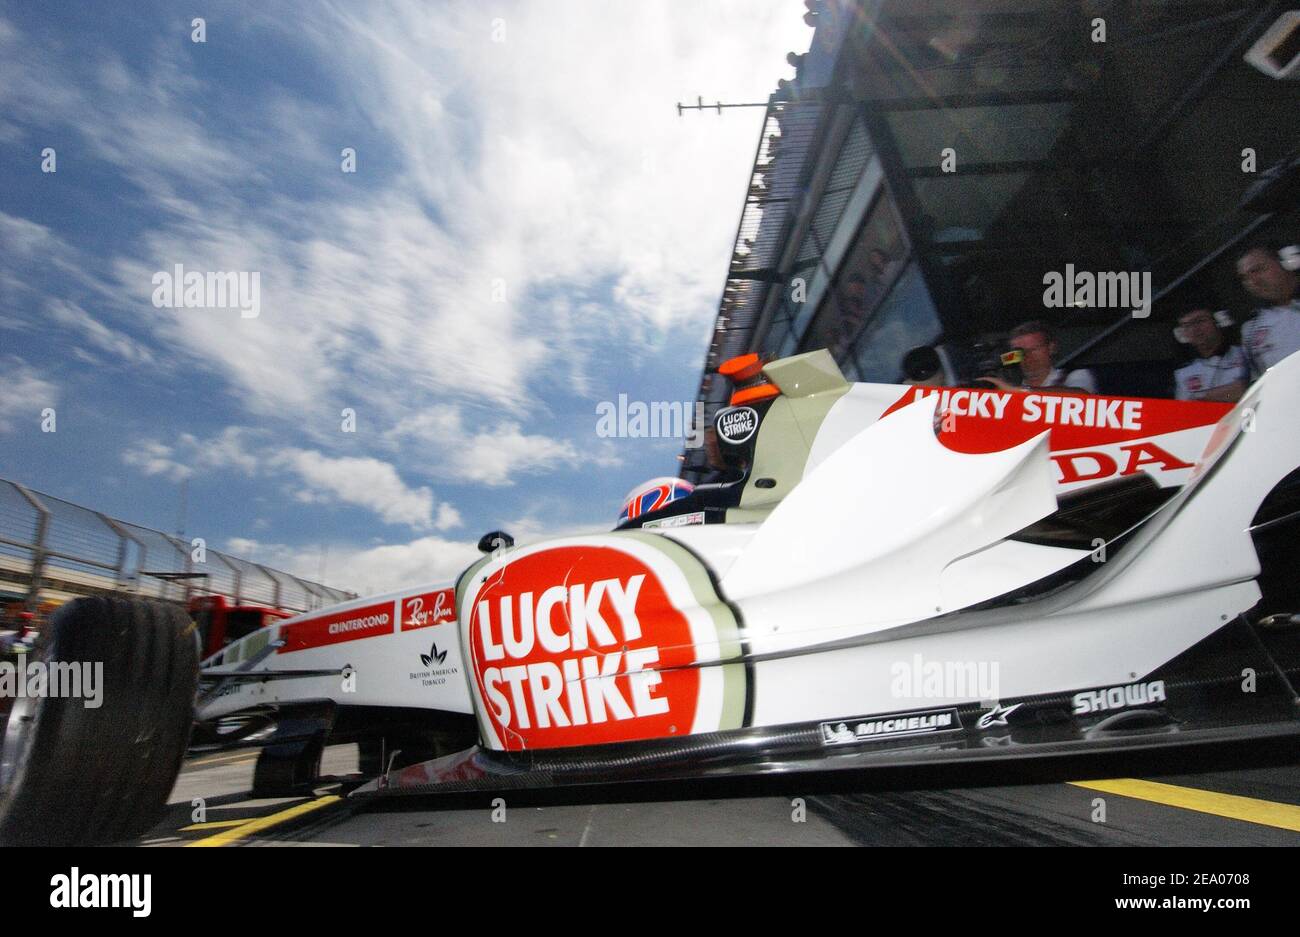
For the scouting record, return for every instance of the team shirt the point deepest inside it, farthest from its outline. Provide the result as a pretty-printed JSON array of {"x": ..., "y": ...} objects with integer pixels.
[
  {"x": 1083, "y": 379},
  {"x": 1205, "y": 374},
  {"x": 1271, "y": 335}
]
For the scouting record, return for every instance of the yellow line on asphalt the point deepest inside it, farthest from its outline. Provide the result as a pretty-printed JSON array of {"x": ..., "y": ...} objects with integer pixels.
[
  {"x": 262, "y": 823},
  {"x": 1231, "y": 806},
  {"x": 212, "y": 825}
]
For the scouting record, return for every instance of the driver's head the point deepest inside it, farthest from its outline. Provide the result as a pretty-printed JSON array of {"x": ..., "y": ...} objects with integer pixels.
[{"x": 652, "y": 496}]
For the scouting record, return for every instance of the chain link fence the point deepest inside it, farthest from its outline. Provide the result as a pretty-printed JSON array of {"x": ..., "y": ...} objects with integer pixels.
[{"x": 53, "y": 550}]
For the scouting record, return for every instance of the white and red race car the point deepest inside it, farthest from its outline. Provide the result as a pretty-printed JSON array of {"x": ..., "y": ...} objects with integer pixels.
[{"x": 898, "y": 580}]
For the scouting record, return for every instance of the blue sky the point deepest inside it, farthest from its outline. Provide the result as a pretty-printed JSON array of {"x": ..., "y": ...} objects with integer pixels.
[{"x": 531, "y": 230}]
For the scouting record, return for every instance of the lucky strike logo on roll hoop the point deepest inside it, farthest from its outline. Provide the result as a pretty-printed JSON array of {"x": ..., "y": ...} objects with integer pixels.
[{"x": 566, "y": 644}]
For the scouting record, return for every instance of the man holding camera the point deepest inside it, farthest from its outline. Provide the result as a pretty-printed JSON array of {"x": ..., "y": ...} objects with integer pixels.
[{"x": 1037, "y": 343}]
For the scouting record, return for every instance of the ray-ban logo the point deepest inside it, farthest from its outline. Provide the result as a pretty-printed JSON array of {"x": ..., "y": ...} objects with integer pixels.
[{"x": 179, "y": 288}]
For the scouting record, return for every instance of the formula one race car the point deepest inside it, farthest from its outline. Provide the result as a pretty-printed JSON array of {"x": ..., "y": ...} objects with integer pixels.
[{"x": 887, "y": 579}]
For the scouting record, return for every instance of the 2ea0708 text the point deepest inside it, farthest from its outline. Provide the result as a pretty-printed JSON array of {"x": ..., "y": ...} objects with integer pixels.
[{"x": 1195, "y": 878}]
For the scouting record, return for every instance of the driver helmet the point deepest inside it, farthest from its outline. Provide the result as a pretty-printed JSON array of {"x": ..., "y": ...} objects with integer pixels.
[{"x": 653, "y": 495}]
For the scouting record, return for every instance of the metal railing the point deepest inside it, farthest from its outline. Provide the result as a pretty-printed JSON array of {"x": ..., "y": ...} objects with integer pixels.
[{"x": 56, "y": 549}]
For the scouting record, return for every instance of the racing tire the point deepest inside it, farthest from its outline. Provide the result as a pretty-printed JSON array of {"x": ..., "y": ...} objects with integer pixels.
[{"x": 79, "y": 774}]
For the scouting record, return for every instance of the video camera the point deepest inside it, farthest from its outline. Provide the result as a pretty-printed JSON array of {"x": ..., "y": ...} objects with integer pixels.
[{"x": 964, "y": 366}]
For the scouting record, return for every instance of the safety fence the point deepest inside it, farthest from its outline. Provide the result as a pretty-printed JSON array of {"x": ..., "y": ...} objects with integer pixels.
[{"x": 52, "y": 550}]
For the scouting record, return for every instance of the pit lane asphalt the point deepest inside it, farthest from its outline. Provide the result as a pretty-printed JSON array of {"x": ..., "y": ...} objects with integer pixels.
[{"x": 1242, "y": 808}]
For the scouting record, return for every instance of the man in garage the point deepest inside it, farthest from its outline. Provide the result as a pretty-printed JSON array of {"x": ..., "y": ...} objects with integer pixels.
[
  {"x": 1219, "y": 371},
  {"x": 1273, "y": 332},
  {"x": 1037, "y": 342}
]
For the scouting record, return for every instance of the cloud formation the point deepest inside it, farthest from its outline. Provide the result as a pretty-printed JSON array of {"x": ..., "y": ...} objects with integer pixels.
[
  {"x": 312, "y": 477},
  {"x": 530, "y": 224},
  {"x": 26, "y": 393}
]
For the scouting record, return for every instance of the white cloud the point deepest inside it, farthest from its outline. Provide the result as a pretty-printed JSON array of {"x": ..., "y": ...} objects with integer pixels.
[
  {"x": 496, "y": 456},
  {"x": 398, "y": 566},
  {"x": 389, "y": 567},
  {"x": 365, "y": 569},
  {"x": 365, "y": 482},
  {"x": 448, "y": 517},
  {"x": 27, "y": 247},
  {"x": 26, "y": 393},
  {"x": 500, "y": 456},
  {"x": 437, "y": 425},
  {"x": 229, "y": 449},
  {"x": 530, "y": 529},
  {"x": 368, "y": 570},
  {"x": 555, "y": 163},
  {"x": 156, "y": 458},
  {"x": 234, "y": 447},
  {"x": 246, "y": 548},
  {"x": 27, "y": 239},
  {"x": 554, "y": 160},
  {"x": 317, "y": 478},
  {"x": 126, "y": 349},
  {"x": 584, "y": 169}
]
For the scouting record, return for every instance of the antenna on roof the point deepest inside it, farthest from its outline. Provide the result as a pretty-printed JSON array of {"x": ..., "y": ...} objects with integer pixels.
[{"x": 716, "y": 106}]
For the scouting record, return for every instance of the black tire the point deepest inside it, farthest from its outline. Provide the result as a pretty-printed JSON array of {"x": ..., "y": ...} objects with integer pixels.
[{"x": 73, "y": 775}]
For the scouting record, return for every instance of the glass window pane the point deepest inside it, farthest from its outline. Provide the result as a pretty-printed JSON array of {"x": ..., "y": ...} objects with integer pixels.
[{"x": 907, "y": 318}]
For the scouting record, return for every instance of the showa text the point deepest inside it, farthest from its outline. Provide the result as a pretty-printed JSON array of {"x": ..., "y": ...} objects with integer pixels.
[{"x": 573, "y": 690}]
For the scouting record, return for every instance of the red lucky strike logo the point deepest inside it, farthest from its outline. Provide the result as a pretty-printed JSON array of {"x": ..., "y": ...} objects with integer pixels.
[
  {"x": 429, "y": 608},
  {"x": 566, "y": 644},
  {"x": 980, "y": 421},
  {"x": 992, "y": 421}
]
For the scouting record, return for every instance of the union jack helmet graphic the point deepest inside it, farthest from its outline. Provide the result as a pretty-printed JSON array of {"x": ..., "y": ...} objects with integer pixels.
[{"x": 653, "y": 495}]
